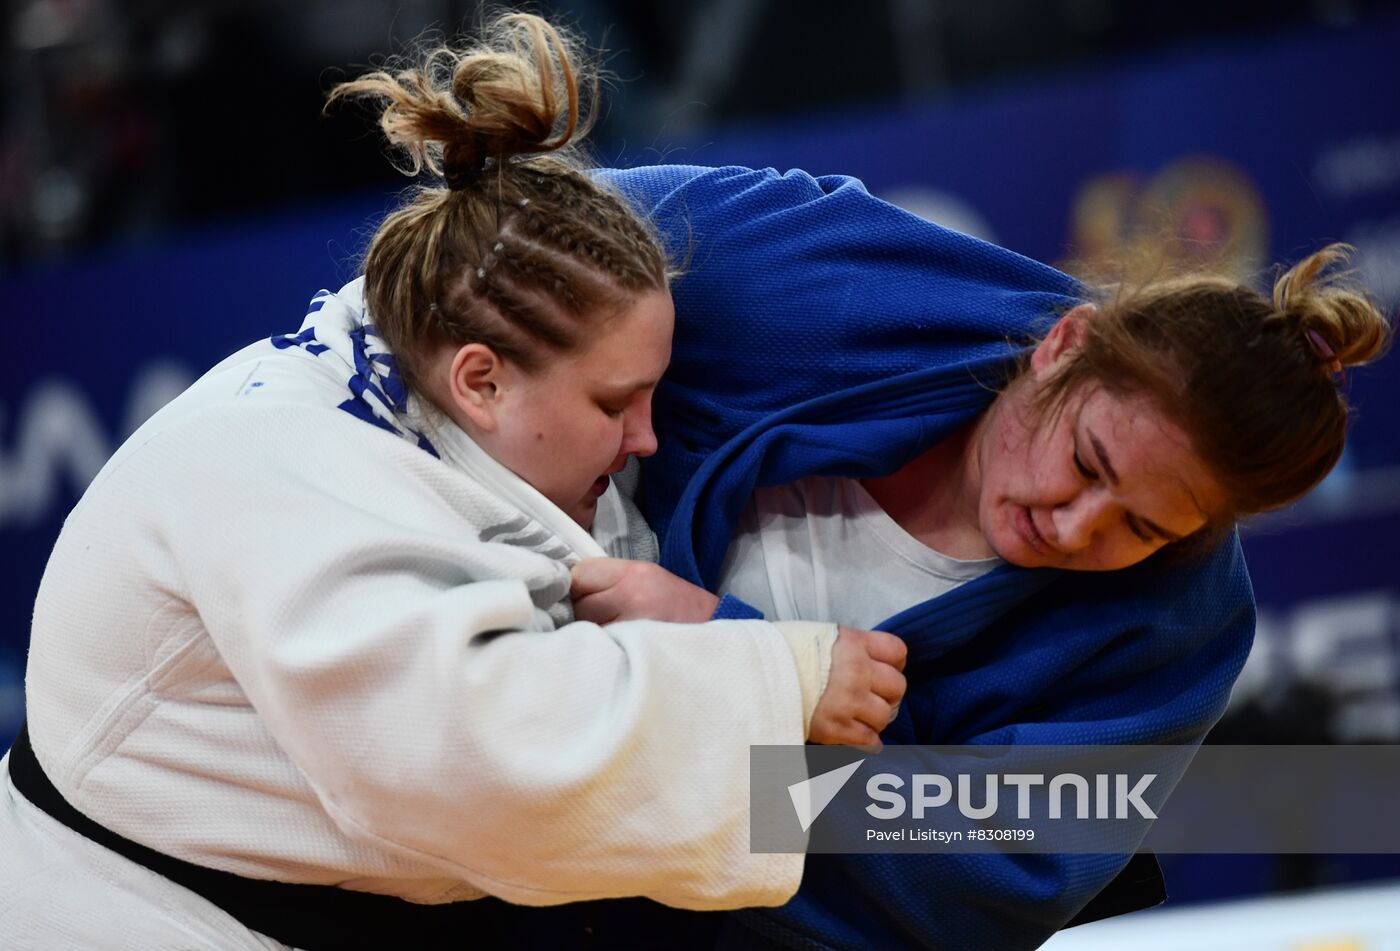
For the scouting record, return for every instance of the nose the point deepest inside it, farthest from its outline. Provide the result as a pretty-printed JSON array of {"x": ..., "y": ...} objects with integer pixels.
[
  {"x": 1079, "y": 520},
  {"x": 638, "y": 438}
]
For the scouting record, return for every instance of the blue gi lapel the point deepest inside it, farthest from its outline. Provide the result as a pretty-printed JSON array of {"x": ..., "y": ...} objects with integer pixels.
[{"x": 864, "y": 431}]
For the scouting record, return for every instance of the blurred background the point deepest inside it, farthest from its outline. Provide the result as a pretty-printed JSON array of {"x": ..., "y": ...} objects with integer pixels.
[{"x": 169, "y": 191}]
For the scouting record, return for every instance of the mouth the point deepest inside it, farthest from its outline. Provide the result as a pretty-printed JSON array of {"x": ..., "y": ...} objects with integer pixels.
[
  {"x": 1025, "y": 526},
  {"x": 600, "y": 485}
]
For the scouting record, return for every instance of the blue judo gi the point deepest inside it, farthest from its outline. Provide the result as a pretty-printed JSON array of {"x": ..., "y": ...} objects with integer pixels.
[{"x": 823, "y": 331}]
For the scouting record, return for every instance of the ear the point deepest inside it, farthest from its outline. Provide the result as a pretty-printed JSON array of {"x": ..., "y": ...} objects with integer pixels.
[
  {"x": 474, "y": 384},
  {"x": 1062, "y": 339}
]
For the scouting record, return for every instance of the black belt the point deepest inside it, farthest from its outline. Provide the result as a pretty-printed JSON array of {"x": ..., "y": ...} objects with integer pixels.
[
  {"x": 316, "y": 917},
  {"x": 304, "y": 916},
  {"x": 326, "y": 918}
]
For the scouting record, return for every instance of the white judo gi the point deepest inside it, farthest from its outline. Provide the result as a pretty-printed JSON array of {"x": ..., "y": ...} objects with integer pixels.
[{"x": 279, "y": 640}]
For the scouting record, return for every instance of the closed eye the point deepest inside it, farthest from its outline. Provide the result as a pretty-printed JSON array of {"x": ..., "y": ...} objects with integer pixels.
[
  {"x": 1146, "y": 530},
  {"x": 1084, "y": 470},
  {"x": 1139, "y": 531}
]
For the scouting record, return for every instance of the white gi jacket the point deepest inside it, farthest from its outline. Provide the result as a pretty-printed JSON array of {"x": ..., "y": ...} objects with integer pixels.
[{"x": 278, "y": 640}]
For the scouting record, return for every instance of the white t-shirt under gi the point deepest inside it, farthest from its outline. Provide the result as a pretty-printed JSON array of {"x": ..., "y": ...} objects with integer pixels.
[{"x": 822, "y": 547}]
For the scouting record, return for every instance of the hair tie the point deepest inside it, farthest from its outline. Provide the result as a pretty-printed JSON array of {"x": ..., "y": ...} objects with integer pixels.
[
  {"x": 460, "y": 173},
  {"x": 1326, "y": 351}
]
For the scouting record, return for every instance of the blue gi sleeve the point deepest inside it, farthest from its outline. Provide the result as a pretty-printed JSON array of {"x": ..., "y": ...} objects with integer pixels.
[{"x": 823, "y": 331}]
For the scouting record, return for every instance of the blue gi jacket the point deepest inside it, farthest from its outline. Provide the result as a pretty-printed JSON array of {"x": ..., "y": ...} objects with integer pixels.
[{"x": 823, "y": 331}]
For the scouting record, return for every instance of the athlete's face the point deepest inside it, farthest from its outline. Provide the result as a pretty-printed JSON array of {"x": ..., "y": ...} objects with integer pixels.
[
  {"x": 1098, "y": 486},
  {"x": 572, "y": 423}
]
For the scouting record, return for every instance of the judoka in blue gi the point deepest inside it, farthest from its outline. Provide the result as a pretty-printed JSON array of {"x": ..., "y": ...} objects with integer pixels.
[{"x": 823, "y": 332}]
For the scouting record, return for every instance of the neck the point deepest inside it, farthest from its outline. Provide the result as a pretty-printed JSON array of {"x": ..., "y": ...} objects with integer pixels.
[{"x": 934, "y": 496}]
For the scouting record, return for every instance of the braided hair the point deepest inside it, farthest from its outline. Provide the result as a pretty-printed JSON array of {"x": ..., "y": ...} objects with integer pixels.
[{"x": 516, "y": 246}]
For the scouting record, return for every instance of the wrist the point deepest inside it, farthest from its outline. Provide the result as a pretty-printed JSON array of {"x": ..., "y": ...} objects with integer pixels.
[{"x": 811, "y": 644}]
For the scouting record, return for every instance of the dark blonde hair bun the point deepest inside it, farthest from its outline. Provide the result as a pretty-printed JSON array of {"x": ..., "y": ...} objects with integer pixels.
[
  {"x": 1334, "y": 320},
  {"x": 524, "y": 251},
  {"x": 523, "y": 87}
]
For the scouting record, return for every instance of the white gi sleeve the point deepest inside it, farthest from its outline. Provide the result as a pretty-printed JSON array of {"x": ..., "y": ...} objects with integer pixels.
[{"x": 406, "y": 668}]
